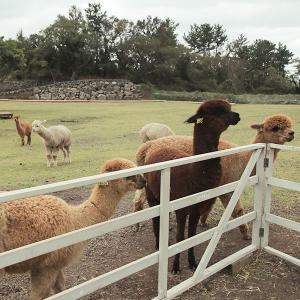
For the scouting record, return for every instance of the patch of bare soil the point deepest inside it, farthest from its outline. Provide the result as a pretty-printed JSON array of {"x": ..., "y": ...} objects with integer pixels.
[{"x": 265, "y": 277}]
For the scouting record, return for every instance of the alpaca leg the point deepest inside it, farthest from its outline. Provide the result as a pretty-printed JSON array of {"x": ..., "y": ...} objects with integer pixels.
[
  {"x": 237, "y": 212},
  {"x": 60, "y": 283},
  {"x": 49, "y": 159},
  {"x": 54, "y": 155},
  {"x": 139, "y": 201},
  {"x": 193, "y": 222},
  {"x": 29, "y": 139},
  {"x": 65, "y": 154},
  {"x": 155, "y": 221},
  {"x": 42, "y": 282},
  {"x": 181, "y": 220},
  {"x": 67, "y": 148},
  {"x": 22, "y": 141}
]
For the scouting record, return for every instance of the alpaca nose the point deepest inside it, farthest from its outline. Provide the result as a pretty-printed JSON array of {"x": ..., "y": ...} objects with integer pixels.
[{"x": 291, "y": 133}]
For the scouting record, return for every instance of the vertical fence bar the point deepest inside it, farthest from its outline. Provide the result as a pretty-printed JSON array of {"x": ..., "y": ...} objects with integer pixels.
[
  {"x": 260, "y": 191},
  {"x": 267, "y": 199},
  {"x": 164, "y": 233}
]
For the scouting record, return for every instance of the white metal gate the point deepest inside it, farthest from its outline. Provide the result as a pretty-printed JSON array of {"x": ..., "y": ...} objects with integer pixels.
[{"x": 262, "y": 157}]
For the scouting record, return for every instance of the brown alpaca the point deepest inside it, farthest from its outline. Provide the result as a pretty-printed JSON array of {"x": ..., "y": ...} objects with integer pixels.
[
  {"x": 38, "y": 218},
  {"x": 212, "y": 118},
  {"x": 23, "y": 129},
  {"x": 275, "y": 129}
]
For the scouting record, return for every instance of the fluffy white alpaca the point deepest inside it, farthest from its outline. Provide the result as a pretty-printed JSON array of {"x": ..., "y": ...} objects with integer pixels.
[{"x": 55, "y": 138}]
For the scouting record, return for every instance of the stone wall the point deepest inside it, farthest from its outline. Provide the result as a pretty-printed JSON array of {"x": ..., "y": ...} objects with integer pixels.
[{"x": 91, "y": 89}]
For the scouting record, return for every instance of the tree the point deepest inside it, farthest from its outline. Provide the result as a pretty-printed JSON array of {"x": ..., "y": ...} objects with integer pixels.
[
  {"x": 12, "y": 60},
  {"x": 65, "y": 39},
  {"x": 206, "y": 38}
]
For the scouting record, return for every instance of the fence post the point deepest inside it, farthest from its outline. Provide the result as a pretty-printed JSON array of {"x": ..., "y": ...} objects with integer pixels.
[
  {"x": 267, "y": 199},
  {"x": 164, "y": 233},
  {"x": 259, "y": 195}
]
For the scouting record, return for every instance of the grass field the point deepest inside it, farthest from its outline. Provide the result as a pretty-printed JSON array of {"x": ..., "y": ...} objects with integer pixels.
[{"x": 107, "y": 130}]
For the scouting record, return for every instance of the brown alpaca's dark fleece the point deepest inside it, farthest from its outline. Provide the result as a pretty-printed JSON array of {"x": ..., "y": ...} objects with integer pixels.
[{"x": 212, "y": 118}]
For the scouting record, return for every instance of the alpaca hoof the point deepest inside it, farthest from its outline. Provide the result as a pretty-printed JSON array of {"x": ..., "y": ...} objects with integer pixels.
[
  {"x": 176, "y": 272},
  {"x": 193, "y": 266}
]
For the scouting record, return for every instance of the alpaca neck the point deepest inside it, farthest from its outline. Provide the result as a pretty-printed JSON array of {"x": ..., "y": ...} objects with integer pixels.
[
  {"x": 44, "y": 133},
  {"x": 19, "y": 127},
  {"x": 205, "y": 140},
  {"x": 99, "y": 207}
]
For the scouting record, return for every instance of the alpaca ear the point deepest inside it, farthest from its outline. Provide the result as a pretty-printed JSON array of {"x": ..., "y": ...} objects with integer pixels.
[
  {"x": 44, "y": 121},
  {"x": 194, "y": 119},
  {"x": 258, "y": 127}
]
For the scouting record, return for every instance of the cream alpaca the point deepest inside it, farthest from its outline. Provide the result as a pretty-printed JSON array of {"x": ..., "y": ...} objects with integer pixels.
[
  {"x": 37, "y": 218},
  {"x": 275, "y": 129},
  {"x": 55, "y": 138},
  {"x": 153, "y": 131}
]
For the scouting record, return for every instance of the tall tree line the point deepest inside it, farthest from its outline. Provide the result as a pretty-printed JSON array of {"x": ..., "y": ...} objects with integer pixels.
[{"x": 92, "y": 44}]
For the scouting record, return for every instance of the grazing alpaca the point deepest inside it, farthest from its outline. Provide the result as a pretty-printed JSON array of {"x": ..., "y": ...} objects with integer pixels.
[
  {"x": 38, "y": 218},
  {"x": 23, "y": 129},
  {"x": 55, "y": 138},
  {"x": 275, "y": 129},
  {"x": 154, "y": 131},
  {"x": 212, "y": 118}
]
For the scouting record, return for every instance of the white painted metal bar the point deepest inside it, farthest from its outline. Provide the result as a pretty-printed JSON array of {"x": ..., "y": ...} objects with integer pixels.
[
  {"x": 208, "y": 194},
  {"x": 68, "y": 184},
  {"x": 101, "y": 281},
  {"x": 268, "y": 194},
  {"x": 259, "y": 196},
  {"x": 206, "y": 235},
  {"x": 187, "y": 284},
  {"x": 283, "y": 183},
  {"x": 289, "y": 258},
  {"x": 293, "y": 225},
  {"x": 32, "y": 250},
  {"x": 164, "y": 233},
  {"x": 225, "y": 217},
  {"x": 285, "y": 147}
]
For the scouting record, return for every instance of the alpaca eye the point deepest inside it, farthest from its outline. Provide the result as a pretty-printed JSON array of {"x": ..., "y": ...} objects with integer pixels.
[{"x": 275, "y": 129}]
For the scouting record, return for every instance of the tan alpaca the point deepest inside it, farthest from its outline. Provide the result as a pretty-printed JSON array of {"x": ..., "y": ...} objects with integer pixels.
[
  {"x": 37, "y": 218},
  {"x": 275, "y": 129},
  {"x": 23, "y": 129}
]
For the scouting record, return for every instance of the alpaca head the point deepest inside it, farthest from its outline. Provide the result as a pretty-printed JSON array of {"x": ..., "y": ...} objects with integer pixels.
[
  {"x": 123, "y": 185},
  {"x": 37, "y": 125},
  {"x": 275, "y": 129},
  {"x": 215, "y": 114},
  {"x": 16, "y": 118}
]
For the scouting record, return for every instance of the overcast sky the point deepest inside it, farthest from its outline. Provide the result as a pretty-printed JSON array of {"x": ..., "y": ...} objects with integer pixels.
[{"x": 275, "y": 20}]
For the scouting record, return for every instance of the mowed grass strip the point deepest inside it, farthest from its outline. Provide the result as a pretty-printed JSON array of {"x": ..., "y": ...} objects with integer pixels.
[{"x": 102, "y": 131}]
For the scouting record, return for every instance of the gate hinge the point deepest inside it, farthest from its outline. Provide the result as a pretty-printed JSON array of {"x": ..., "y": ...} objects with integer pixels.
[
  {"x": 266, "y": 162},
  {"x": 261, "y": 232}
]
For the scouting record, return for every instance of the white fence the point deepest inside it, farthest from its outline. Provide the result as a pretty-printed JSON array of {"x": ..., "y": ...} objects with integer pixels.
[{"x": 262, "y": 157}]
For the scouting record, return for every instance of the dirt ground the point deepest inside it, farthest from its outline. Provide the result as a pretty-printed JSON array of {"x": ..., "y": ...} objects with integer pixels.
[{"x": 265, "y": 277}]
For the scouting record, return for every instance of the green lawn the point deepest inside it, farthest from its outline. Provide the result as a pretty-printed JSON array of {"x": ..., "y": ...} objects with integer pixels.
[{"x": 107, "y": 130}]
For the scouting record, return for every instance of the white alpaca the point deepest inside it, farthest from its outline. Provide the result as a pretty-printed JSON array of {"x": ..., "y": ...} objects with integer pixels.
[
  {"x": 55, "y": 138},
  {"x": 153, "y": 131},
  {"x": 29, "y": 220}
]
